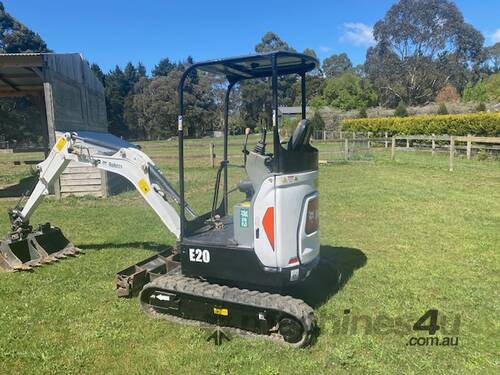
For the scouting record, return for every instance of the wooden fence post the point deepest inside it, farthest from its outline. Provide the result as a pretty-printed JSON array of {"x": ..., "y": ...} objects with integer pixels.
[
  {"x": 386, "y": 136},
  {"x": 452, "y": 151},
  {"x": 353, "y": 135},
  {"x": 212, "y": 155},
  {"x": 346, "y": 149},
  {"x": 324, "y": 135},
  {"x": 340, "y": 134},
  {"x": 393, "y": 148},
  {"x": 469, "y": 147},
  {"x": 369, "y": 136},
  {"x": 407, "y": 143},
  {"x": 433, "y": 143}
]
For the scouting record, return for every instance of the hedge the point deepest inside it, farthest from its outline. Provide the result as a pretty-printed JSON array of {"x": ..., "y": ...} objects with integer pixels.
[{"x": 479, "y": 124}]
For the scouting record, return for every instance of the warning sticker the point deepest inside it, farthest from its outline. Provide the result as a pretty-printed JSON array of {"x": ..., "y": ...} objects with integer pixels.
[
  {"x": 60, "y": 143},
  {"x": 244, "y": 217},
  {"x": 223, "y": 312},
  {"x": 143, "y": 185}
]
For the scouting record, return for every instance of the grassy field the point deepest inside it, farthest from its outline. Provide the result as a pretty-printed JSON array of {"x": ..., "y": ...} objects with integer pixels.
[{"x": 406, "y": 236}]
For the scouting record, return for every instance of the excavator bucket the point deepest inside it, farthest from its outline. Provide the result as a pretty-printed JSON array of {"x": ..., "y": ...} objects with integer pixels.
[{"x": 34, "y": 248}]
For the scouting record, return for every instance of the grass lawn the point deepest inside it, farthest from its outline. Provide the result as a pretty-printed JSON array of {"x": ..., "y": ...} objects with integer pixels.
[{"x": 407, "y": 236}]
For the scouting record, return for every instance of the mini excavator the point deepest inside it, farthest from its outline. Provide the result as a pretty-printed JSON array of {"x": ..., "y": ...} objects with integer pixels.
[{"x": 229, "y": 262}]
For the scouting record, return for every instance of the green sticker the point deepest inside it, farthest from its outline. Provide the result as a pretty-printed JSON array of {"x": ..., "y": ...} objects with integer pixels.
[{"x": 244, "y": 217}]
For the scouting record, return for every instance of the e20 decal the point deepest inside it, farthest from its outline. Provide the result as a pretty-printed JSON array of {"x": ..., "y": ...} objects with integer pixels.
[{"x": 199, "y": 255}]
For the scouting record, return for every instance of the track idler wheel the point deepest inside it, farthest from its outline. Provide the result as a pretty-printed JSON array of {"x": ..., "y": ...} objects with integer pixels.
[{"x": 291, "y": 330}]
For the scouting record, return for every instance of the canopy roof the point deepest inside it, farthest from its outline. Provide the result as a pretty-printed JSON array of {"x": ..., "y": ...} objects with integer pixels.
[{"x": 259, "y": 65}]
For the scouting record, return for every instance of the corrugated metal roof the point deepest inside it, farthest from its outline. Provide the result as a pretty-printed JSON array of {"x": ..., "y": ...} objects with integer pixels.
[{"x": 25, "y": 72}]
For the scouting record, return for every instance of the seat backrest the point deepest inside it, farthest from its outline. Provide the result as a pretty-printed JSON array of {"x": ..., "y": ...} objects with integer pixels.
[{"x": 300, "y": 136}]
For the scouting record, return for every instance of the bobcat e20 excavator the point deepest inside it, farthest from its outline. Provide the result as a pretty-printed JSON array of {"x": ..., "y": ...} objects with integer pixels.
[{"x": 229, "y": 262}]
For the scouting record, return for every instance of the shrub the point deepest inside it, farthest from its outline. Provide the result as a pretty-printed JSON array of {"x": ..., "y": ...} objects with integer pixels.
[
  {"x": 442, "y": 110},
  {"x": 317, "y": 121},
  {"x": 401, "y": 110},
  {"x": 474, "y": 93},
  {"x": 492, "y": 87},
  {"x": 362, "y": 113},
  {"x": 480, "y": 124},
  {"x": 348, "y": 91},
  {"x": 481, "y": 107},
  {"x": 448, "y": 94}
]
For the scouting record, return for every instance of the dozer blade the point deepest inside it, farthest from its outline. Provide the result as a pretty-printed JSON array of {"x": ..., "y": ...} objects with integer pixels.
[
  {"x": 45, "y": 245},
  {"x": 131, "y": 280}
]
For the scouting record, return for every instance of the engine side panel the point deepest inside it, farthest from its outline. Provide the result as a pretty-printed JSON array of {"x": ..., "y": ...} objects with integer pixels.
[{"x": 293, "y": 193}]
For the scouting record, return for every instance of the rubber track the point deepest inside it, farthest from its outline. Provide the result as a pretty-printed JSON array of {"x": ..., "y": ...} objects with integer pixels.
[{"x": 177, "y": 283}]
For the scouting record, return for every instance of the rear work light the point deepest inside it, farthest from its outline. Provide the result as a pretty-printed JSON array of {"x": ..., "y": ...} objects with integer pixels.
[{"x": 312, "y": 220}]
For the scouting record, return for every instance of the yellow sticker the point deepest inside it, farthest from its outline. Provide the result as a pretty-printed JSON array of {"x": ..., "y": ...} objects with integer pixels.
[
  {"x": 143, "y": 185},
  {"x": 245, "y": 204},
  {"x": 223, "y": 312},
  {"x": 60, "y": 143}
]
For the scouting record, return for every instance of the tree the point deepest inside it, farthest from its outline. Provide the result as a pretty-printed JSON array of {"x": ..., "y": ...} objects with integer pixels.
[
  {"x": 16, "y": 38},
  {"x": 492, "y": 87},
  {"x": 475, "y": 93},
  {"x": 313, "y": 87},
  {"x": 317, "y": 121},
  {"x": 448, "y": 94},
  {"x": 163, "y": 68},
  {"x": 492, "y": 56},
  {"x": 272, "y": 42},
  {"x": 155, "y": 106},
  {"x": 96, "y": 69},
  {"x": 335, "y": 65},
  {"x": 255, "y": 93},
  {"x": 349, "y": 91},
  {"x": 421, "y": 46},
  {"x": 19, "y": 117}
]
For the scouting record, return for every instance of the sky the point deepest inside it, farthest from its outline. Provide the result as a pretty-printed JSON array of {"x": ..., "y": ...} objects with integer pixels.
[{"x": 111, "y": 32}]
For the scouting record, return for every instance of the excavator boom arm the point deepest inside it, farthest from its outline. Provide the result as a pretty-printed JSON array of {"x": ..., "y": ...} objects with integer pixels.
[{"x": 130, "y": 163}]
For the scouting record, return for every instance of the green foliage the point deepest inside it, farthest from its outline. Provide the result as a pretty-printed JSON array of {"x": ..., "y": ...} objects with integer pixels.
[
  {"x": 163, "y": 68},
  {"x": 492, "y": 87},
  {"x": 480, "y": 124},
  {"x": 317, "y": 101},
  {"x": 153, "y": 103},
  {"x": 336, "y": 65},
  {"x": 481, "y": 107},
  {"x": 419, "y": 43},
  {"x": 362, "y": 113},
  {"x": 20, "y": 117},
  {"x": 317, "y": 121},
  {"x": 474, "y": 93},
  {"x": 256, "y": 94},
  {"x": 348, "y": 91},
  {"x": 442, "y": 110},
  {"x": 401, "y": 110},
  {"x": 492, "y": 55},
  {"x": 16, "y": 37}
]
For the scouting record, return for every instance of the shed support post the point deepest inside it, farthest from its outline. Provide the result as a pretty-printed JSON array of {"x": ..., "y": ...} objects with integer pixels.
[{"x": 51, "y": 129}]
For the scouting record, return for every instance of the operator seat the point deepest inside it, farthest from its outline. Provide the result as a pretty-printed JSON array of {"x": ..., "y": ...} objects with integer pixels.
[{"x": 300, "y": 136}]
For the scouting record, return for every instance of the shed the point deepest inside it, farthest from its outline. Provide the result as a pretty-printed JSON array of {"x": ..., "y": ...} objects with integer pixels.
[{"x": 71, "y": 98}]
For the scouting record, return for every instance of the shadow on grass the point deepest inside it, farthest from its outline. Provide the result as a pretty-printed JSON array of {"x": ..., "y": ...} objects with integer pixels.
[
  {"x": 156, "y": 247},
  {"x": 334, "y": 270},
  {"x": 336, "y": 266},
  {"x": 23, "y": 186}
]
